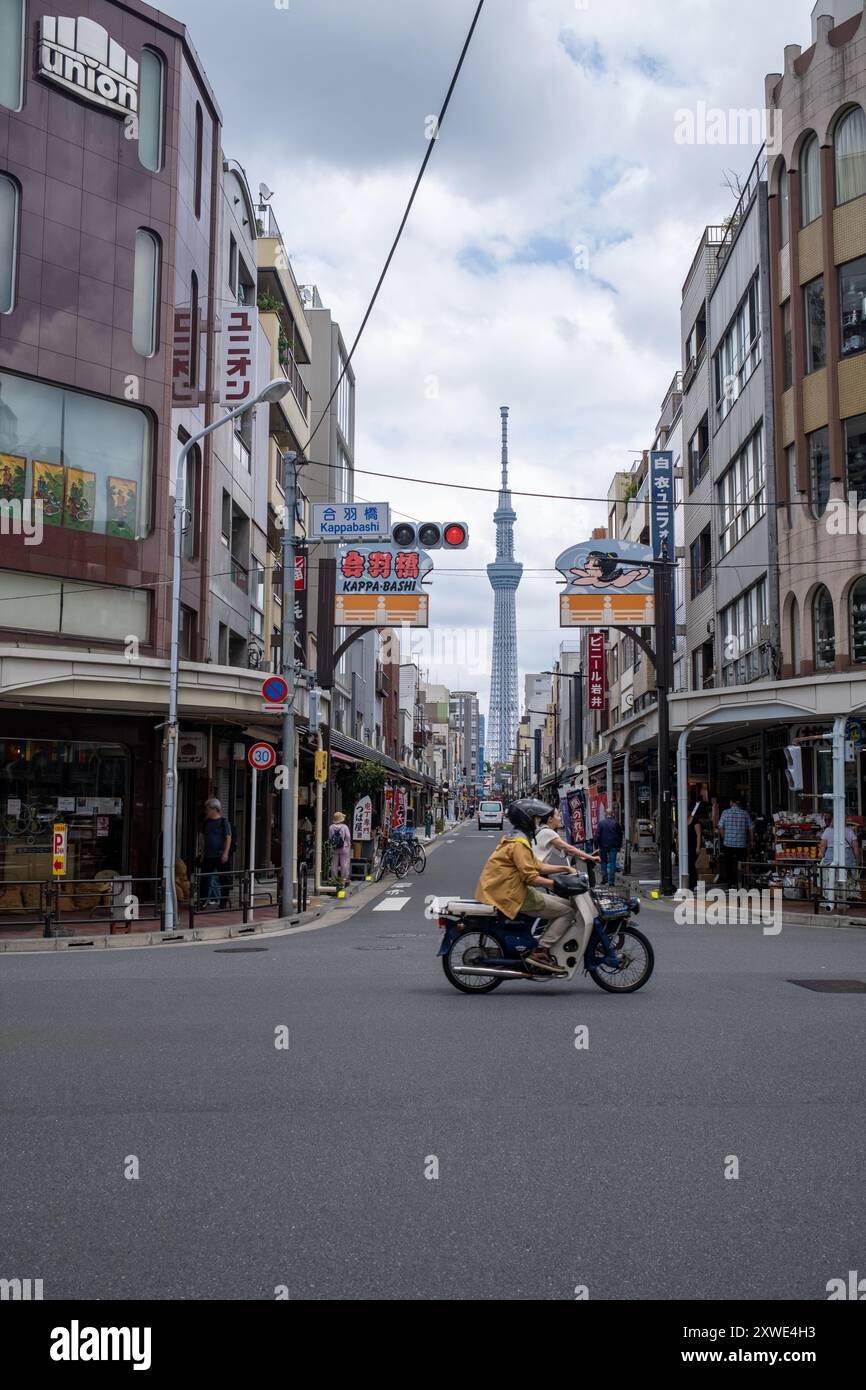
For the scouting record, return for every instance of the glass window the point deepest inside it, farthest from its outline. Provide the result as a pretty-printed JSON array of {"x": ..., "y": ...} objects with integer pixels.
[
  {"x": 852, "y": 295},
  {"x": 145, "y": 293},
  {"x": 739, "y": 352},
  {"x": 816, "y": 330},
  {"x": 858, "y": 622},
  {"x": 42, "y": 603},
  {"x": 784, "y": 210},
  {"x": 787, "y": 355},
  {"x": 12, "y": 54},
  {"x": 795, "y": 637},
  {"x": 810, "y": 181},
  {"x": 824, "y": 628},
  {"x": 850, "y": 143},
  {"x": 198, "y": 172},
  {"x": 791, "y": 473},
  {"x": 741, "y": 493},
  {"x": 87, "y": 460},
  {"x": 193, "y": 331},
  {"x": 743, "y": 623},
  {"x": 9, "y": 208},
  {"x": 855, "y": 456},
  {"x": 819, "y": 471},
  {"x": 151, "y": 108},
  {"x": 189, "y": 546}
]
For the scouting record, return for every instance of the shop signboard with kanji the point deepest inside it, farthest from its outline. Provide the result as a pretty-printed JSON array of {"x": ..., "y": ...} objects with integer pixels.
[
  {"x": 238, "y": 365},
  {"x": 595, "y": 643},
  {"x": 606, "y": 582},
  {"x": 381, "y": 586}
]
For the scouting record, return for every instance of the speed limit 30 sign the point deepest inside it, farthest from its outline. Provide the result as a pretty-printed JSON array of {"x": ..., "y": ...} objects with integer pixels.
[{"x": 261, "y": 756}]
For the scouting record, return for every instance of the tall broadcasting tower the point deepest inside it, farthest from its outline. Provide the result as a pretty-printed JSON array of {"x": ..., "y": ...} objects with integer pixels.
[{"x": 504, "y": 574}]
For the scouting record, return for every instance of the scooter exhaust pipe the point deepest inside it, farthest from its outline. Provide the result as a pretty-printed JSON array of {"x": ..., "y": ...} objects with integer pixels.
[{"x": 491, "y": 970}]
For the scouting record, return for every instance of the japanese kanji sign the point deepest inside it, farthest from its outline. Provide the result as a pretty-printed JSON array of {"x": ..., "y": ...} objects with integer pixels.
[
  {"x": 240, "y": 341},
  {"x": 337, "y": 521},
  {"x": 595, "y": 643},
  {"x": 606, "y": 582},
  {"x": 58, "y": 853},
  {"x": 381, "y": 586},
  {"x": 662, "y": 502}
]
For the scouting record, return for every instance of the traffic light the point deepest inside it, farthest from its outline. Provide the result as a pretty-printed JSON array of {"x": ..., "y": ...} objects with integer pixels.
[{"x": 431, "y": 535}]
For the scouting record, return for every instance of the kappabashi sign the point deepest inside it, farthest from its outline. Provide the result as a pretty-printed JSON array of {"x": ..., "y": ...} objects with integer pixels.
[
  {"x": 595, "y": 644},
  {"x": 335, "y": 521},
  {"x": 79, "y": 55},
  {"x": 606, "y": 582},
  {"x": 381, "y": 586}
]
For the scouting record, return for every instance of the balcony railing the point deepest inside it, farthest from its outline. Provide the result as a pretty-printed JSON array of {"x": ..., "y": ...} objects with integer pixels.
[
  {"x": 299, "y": 390},
  {"x": 694, "y": 367}
]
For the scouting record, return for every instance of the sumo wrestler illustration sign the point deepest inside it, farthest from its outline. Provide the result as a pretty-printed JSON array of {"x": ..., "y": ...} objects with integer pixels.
[{"x": 606, "y": 582}]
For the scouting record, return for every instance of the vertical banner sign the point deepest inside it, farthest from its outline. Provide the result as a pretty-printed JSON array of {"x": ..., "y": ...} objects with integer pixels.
[
  {"x": 362, "y": 820},
  {"x": 58, "y": 855},
  {"x": 595, "y": 642},
  {"x": 238, "y": 376},
  {"x": 662, "y": 514},
  {"x": 389, "y": 808},
  {"x": 299, "y": 598}
]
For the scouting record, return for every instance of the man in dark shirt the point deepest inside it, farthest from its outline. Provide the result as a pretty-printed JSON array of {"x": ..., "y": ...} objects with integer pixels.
[
  {"x": 608, "y": 841},
  {"x": 216, "y": 844}
]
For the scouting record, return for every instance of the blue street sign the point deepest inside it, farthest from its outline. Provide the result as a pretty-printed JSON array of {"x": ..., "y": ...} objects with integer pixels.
[{"x": 662, "y": 502}]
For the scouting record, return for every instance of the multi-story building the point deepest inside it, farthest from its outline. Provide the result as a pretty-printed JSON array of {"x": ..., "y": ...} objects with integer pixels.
[{"x": 464, "y": 708}]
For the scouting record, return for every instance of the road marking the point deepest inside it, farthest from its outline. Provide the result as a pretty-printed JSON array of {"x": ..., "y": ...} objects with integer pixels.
[{"x": 391, "y": 905}]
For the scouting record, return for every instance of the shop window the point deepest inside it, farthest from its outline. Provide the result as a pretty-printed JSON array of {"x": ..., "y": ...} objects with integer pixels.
[
  {"x": 850, "y": 148},
  {"x": 824, "y": 629},
  {"x": 86, "y": 785},
  {"x": 784, "y": 207},
  {"x": 816, "y": 327},
  {"x": 12, "y": 54},
  {"x": 852, "y": 295},
  {"x": 810, "y": 181},
  {"x": 819, "y": 471},
  {"x": 858, "y": 622},
  {"x": 151, "y": 108},
  {"x": 103, "y": 612},
  {"x": 10, "y": 207},
  {"x": 87, "y": 460},
  {"x": 855, "y": 456},
  {"x": 145, "y": 293}
]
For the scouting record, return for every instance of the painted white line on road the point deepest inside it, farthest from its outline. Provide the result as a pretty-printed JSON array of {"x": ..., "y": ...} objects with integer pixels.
[{"x": 391, "y": 905}]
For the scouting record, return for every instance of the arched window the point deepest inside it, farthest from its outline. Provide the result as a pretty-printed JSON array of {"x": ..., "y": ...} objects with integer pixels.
[
  {"x": 12, "y": 54},
  {"x": 795, "y": 637},
  {"x": 193, "y": 330},
  {"x": 199, "y": 157},
  {"x": 857, "y": 620},
  {"x": 784, "y": 211},
  {"x": 810, "y": 181},
  {"x": 850, "y": 144},
  {"x": 824, "y": 628},
  {"x": 145, "y": 293},
  {"x": 9, "y": 219},
  {"x": 151, "y": 108}
]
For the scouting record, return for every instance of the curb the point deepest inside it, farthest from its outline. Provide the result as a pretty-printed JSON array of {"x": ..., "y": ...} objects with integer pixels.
[
  {"x": 136, "y": 940},
  {"x": 804, "y": 919}
]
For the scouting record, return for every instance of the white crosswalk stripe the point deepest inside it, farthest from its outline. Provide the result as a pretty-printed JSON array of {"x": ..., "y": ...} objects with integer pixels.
[{"x": 391, "y": 905}]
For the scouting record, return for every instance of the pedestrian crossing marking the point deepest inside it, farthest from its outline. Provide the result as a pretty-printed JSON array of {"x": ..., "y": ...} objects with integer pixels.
[{"x": 391, "y": 905}]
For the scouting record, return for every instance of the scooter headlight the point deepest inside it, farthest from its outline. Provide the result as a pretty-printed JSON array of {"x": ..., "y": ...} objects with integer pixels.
[{"x": 634, "y": 904}]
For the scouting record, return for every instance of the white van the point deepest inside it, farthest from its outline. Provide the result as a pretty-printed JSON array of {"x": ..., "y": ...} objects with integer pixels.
[{"x": 490, "y": 813}]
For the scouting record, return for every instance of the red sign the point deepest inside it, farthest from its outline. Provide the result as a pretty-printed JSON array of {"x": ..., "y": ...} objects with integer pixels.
[
  {"x": 261, "y": 756},
  {"x": 596, "y": 670},
  {"x": 300, "y": 573},
  {"x": 275, "y": 690}
]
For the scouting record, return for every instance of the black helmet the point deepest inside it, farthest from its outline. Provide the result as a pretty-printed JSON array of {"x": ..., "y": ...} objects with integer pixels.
[{"x": 522, "y": 814}]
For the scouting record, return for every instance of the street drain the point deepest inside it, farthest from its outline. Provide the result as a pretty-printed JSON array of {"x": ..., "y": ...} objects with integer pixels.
[
  {"x": 237, "y": 950},
  {"x": 832, "y": 986}
]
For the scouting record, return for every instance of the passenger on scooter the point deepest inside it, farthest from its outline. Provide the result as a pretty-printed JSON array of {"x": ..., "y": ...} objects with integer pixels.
[{"x": 513, "y": 879}]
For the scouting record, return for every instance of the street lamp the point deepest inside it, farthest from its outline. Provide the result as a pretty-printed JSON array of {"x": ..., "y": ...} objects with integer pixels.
[{"x": 274, "y": 391}]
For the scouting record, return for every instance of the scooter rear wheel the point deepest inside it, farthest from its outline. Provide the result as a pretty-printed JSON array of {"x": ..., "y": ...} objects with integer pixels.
[
  {"x": 640, "y": 959},
  {"x": 470, "y": 948}
]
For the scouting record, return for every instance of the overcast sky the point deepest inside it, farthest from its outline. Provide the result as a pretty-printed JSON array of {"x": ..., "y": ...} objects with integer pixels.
[{"x": 544, "y": 260}]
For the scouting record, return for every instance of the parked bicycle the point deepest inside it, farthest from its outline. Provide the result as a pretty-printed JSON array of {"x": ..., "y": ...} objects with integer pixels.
[
  {"x": 418, "y": 860},
  {"x": 396, "y": 858}
]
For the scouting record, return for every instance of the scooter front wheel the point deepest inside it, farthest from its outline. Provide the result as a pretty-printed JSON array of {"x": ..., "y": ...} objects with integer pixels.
[
  {"x": 471, "y": 948},
  {"x": 637, "y": 957}
]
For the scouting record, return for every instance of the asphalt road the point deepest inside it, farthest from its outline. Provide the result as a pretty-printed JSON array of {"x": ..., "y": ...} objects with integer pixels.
[{"x": 305, "y": 1167}]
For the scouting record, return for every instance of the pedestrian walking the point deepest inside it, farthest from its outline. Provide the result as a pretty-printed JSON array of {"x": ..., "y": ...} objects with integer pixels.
[
  {"x": 737, "y": 831},
  {"x": 695, "y": 840},
  {"x": 216, "y": 842},
  {"x": 608, "y": 841},
  {"x": 341, "y": 847}
]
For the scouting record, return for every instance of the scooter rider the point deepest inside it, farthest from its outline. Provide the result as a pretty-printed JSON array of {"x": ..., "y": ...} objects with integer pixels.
[{"x": 513, "y": 880}]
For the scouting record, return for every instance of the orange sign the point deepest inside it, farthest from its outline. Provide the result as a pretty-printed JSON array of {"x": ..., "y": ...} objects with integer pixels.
[
  {"x": 381, "y": 610},
  {"x": 597, "y": 610},
  {"x": 58, "y": 852}
]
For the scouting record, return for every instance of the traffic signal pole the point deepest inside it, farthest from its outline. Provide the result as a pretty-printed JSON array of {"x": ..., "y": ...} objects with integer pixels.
[{"x": 287, "y": 795}]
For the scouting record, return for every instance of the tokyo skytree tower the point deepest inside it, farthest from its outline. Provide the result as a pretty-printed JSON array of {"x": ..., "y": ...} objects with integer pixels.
[{"x": 504, "y": 574}]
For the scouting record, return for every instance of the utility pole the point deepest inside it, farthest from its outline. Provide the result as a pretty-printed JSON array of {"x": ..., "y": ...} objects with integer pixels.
[{"x": 287, "y": 795}]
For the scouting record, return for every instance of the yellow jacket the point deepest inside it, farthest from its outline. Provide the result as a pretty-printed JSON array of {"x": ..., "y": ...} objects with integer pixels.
[{"x": 507, "y": 874}]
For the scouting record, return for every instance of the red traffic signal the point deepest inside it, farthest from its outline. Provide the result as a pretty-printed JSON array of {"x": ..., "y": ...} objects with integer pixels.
[
  {"x": 455, "y": 535},
  {"x": 431, "y": 535}
]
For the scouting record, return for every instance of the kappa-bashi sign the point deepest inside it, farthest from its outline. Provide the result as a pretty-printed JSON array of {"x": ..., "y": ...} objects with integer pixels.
[
  {"x": 381, "y": 586},
  {"x": 238, "y": 371},
  {"x": 339, "y": 521},
  {"x": 596, "y": 670},
  {"x": 606, "y": 582}
]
